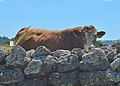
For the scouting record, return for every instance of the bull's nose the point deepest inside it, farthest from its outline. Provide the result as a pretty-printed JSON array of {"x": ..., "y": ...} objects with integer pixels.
[
  {"x": 88, "y": 48},
  {"x": 91, "y": 46}
]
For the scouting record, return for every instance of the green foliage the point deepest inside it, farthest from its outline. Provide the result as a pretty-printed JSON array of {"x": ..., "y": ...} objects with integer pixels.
[
  {"x": 5, "y": 47},
  {"x": 99, "y": 44},
  {"x": 12, "y": 39},
  {"x": 116, "y": 44},
  {"x": 6, "y": 42}
]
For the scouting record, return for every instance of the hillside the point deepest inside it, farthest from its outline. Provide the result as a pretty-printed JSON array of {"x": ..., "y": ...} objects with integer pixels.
[
  {"x": 2, "y": 39},
  {"x": 109, "y": 42}
]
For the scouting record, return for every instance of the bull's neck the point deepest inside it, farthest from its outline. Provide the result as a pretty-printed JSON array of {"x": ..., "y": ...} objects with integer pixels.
[{"x": 89, "y": 39}]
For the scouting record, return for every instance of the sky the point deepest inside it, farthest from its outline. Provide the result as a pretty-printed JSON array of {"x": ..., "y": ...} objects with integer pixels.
[{"x": 60, "y": 14}]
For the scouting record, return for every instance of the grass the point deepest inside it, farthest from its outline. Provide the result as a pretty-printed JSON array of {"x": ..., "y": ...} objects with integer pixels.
[{"x": 5, "y": 47}]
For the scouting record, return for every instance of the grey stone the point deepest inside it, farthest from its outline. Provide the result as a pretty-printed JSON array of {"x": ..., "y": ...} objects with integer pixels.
[
  {"x": 30, "y": 53},
  {"x": 60, "y": 68},
  {"x": 2, "y": 54},
  {"x": 59, "y": 53},
  {"x": 109, "y": 52},
  {"x": 110, "y": 56},
  {"x": 33, "y": 67},
  {"x": 115, "y": 65},
  {"x": 17, "y": 57},
  {"x": 8, "y": 76},
  {"x": 118, "y": 48},
  {"x": 105, "y": 48},
  {"x": 48, "y": 63},
  {"x": 96, "y": 78},
  {"x": 12, "y": 84},
  {"x": 79, "y": 52},
  {"x": 118, "y": 84},
  {"x": 94, "y": 60},
  {"x": 2, "y": 68},
  {"x": 113, "y": 76},
  {"x": 64, "y": 79},
  {"x": 33, "y": 82},
  {"x": 40, "y": 65},
  {"x": 111, "y": 85},
  {"x": 67, "y": 63},
  {"x": 41, "y": 51},
  {"x": 116, "y": 56}
]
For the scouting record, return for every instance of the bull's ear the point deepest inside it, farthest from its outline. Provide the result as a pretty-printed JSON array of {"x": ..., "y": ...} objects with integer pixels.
[{"x": 100, "y": 34}]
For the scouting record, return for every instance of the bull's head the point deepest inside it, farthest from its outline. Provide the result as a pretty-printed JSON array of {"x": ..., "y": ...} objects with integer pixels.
[{"x": 91, "y": 36}]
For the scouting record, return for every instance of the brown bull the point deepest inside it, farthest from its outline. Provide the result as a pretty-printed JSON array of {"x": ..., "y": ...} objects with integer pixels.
[{"x": 77, "y": 37}]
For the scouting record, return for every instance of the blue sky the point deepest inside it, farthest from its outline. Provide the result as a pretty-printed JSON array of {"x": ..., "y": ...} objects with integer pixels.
[{"x": 60, "y": 14}]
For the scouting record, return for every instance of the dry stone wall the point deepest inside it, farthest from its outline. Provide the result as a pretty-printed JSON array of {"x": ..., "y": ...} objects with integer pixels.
[{"x": 41, "y": 67}]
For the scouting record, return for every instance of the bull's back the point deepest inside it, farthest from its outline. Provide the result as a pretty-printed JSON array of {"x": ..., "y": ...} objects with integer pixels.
[{"x": 50, "y": 38}]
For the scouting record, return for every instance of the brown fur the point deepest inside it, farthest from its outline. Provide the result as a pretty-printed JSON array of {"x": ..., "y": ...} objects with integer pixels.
[{"x": 53, "y": 39}]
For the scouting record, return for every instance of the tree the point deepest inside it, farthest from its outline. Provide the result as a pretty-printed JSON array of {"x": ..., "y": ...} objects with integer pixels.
[
  {"x": 116, "y": 44},
  {"x": 99, "y": 44},
  {"x": 6, "y": 42},
  {"x": 12, "y": 39}
]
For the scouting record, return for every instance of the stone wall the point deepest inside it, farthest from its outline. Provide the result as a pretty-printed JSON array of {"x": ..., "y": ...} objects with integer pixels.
[{"x": 41, "y": 67}]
